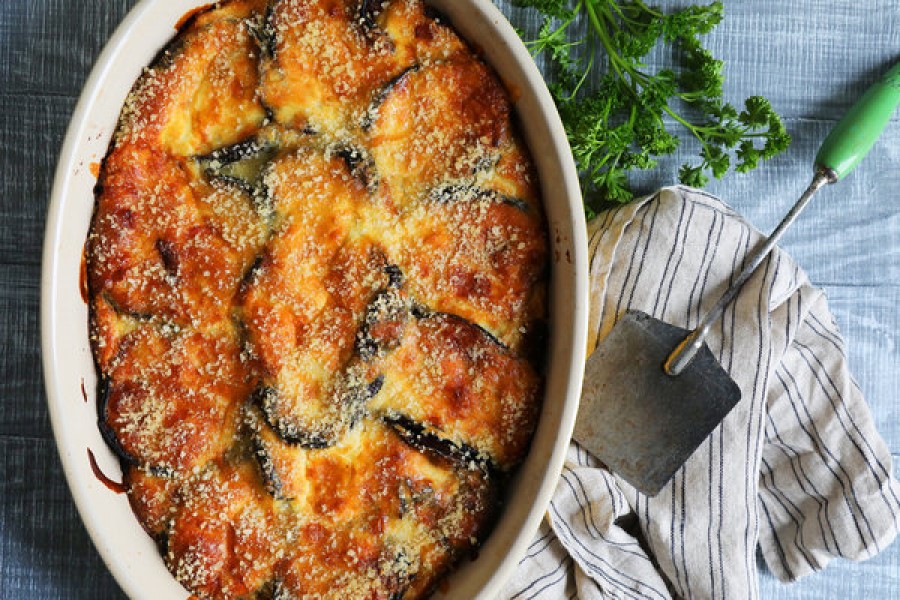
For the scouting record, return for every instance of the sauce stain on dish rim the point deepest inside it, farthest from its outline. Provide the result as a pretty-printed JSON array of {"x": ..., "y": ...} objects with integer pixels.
[
  {"x": 83, "y": 280},
  {"x": 111, "y": 484}
]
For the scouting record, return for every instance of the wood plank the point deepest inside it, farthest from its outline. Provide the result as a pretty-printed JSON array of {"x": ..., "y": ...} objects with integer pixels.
[
  {"x": 810, "y": 58},
  {"x": 47, "y": 47},
  {"x": 45, "y": 551},
  {"x": 32, "y": 133},
  {"x": 24, "y": 407}
]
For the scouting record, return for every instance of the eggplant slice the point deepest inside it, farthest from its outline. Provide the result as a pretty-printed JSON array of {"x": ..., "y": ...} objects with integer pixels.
[
  {"x": 360, "y": 163},
  {"x": 222, "y": 541},
  {"x": 384, "y": 322},
  {"x": 315, "y": 425},
  {"x": 418, "y": 144},
  {"x": 263, "y": 32},
  {"x": 305, "y": 301},
  {"x": 169, "y": 398},
  {"x": 427, "y": 440},
  {"x": 381, "y": 95},
  {"x": 385, "y": 509},
  {"x": 107, "y": 432},
  {"x": 478, "y": 254},
  {"x": 242, "y": 165},
  {"x": 211, "y": 111},
  {"x": 320, "y": 72},
  {"x": 451, "y": 388},
  {"x": 464, "y": 192}
]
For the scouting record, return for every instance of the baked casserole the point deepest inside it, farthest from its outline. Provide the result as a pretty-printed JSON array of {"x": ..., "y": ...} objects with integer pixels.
[{"x": 317, "y": 276}]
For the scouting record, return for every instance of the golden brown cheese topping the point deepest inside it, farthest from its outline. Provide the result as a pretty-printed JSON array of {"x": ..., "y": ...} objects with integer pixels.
[{"x": 317, "y": 274}]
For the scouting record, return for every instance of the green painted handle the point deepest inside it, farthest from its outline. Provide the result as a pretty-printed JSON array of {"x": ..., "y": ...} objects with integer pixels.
[{"x": 855, "y": 134}]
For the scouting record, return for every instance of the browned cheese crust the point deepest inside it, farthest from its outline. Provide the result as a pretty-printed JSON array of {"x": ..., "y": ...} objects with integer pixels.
[{"x": 317, "y": 271}]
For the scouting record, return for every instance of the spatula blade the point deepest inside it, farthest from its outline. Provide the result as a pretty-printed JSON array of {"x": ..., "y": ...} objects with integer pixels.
[{"x": 640, "y": 422}]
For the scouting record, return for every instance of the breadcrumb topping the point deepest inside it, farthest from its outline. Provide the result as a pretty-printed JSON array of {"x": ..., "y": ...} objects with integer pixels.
[{"x": 317, "y": 271}]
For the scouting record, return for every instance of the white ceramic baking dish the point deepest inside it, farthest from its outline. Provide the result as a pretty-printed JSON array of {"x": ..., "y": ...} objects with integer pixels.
[{"x": 69, "y": 370}]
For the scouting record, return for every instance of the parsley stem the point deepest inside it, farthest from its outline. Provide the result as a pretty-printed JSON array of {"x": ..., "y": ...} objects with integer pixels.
[
  {"x": 600, "y": 29},
  {"x": 649, "y": 9},
  {"x": 687, "y": 124},
  {"x": 620, "y": 124},
  {"x": 619, "y": 65},
  {"x": 618, "y": 10}
]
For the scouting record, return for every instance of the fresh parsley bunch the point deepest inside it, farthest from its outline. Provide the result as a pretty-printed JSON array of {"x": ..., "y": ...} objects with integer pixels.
[{"x": 619, "y": 124}]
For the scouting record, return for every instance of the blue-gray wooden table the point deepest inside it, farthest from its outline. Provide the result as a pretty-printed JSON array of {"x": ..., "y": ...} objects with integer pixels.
[{"x": 812, "y": 58}]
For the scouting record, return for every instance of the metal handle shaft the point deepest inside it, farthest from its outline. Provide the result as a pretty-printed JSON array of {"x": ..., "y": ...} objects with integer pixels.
[
  {"x": 844, "y": 147},
  {"x": 685, "y": 351}
]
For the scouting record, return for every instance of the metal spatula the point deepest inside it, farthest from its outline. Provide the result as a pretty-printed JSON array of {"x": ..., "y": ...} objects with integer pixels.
[{"x": 652, "y": 391}]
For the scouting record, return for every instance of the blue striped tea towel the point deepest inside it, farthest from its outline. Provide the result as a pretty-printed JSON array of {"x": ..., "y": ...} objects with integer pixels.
[{"x": 796, "y": 468}]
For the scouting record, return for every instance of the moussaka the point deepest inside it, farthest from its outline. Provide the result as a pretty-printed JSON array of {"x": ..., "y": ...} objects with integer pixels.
[{"x": 317, "y": 276}]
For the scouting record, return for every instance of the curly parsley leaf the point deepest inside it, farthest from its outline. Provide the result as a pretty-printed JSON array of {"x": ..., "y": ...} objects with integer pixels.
[{"x": 620, "y": 125}]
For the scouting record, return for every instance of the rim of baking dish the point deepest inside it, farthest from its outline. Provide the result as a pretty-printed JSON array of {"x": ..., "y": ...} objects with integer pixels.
[{"x": 69, "y": 371}]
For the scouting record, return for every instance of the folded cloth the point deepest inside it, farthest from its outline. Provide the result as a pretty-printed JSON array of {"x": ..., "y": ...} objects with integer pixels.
[{"x": 796, "y": 468}]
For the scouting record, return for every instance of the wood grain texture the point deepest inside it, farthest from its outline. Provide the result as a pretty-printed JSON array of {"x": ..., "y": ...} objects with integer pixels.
[
  {"x": 811, "y": 58},
  {"x": 45, "y": 551},
  {"x": 33, "y": 130}
]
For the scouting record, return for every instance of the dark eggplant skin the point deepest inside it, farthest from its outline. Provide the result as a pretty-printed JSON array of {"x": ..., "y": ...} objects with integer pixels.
[
  {"x": 352, "y": 400},
  {"x": 250, "y": 274},
  {"x": 279, "y": 593},
  {"x": 168, "y": 254},
  {"x": 137, "y": 316},
  {"x": 243, "y": 150},
  {"x": 263, "y": 33},
  {"x": 168, "y": 53},
  {"x": 395, "y": 276},
  {"x": 425, "y": 439},
  {"x": 240, "y": 164},
  {"x": 265, "y": 592},
  {"x": 360, "y": 164},
  {"x": 368, "y": 13},
  {"x": 422, "y": 312},
  {"x": 401, "y": 573},
  {"x": 106, "y": 431},
  {"x": 366, "y": 22},
  {"x": 266, "y": 398},
  {"x": 374, "y": 387},
  {"x": 111, "y": 439},
  {"x": 456, "y": 192},
  {"x": 387, "y": 306},
  {"x": 371, "y": 114},
  {"x": 266, "y": 466},
  {"x": 161, "y": 540}
]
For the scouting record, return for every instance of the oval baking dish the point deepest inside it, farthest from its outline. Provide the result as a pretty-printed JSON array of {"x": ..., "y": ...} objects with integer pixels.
[{"x": 128, "y": 551}]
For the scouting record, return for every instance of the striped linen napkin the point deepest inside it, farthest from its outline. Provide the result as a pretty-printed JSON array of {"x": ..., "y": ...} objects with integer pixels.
[{"x": 796, "y": 468}]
